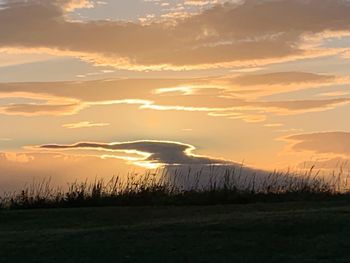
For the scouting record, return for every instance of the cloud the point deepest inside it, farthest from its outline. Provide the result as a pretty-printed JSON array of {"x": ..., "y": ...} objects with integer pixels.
[
  {"x": 70, "y": 5},
  {"x": 334, "y": 94},
  {"x": 8, "y": 58},
  {"x": 19, "y": 169},
  {"x": 301, "y": 106},
  {"x": 282, "y": 78},
  {"x": 336, "y": 143},
  {"x": 273, "y": 125},
  {"x": 224, "y": 35},
  {"x": 84, "y": 124},
  {"x": 256, "y": 85},
  {"x": 214, "y": 96},
  {"x": 150, "y": 152},
  {"x": 278, "y": 82},
  {"x": 18, "y": 157},
  {"x": 197, "y": 2},
  {"x": 239, "y": 107},
  {"x": 181, "y": 166},
  {"x": 37, "y": 110}
]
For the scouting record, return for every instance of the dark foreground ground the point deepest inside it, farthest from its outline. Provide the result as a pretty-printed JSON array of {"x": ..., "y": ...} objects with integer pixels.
[{"x": 282, "y": 232}]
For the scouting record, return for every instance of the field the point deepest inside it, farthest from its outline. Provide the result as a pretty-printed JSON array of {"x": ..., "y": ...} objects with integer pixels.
[{"x": 261, "y": 232}]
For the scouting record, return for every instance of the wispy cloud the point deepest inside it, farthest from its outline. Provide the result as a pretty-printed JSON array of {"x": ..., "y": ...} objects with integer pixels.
[
  {"x": 84, "y": 124},
  {"x": 212, "y": 96},
  {"x": 273, "y": 125},
  {"x": 35, "y": 109}
]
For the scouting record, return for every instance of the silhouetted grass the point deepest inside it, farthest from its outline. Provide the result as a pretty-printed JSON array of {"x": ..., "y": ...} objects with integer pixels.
[{"x": 179, "y": 187}]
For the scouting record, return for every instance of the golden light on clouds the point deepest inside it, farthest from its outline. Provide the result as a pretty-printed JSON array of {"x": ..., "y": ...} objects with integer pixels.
[
  {"x": 84, "y": 124},
  {"x": 221, "y": 36},
  {"x": 190, "y": 82}
]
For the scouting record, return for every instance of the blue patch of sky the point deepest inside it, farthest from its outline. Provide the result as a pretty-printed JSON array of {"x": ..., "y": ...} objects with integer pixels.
[
  {"x": 50, "y": 70},
  {"x": 343, "y": 42},
  {"x": 129, "y": 10}
]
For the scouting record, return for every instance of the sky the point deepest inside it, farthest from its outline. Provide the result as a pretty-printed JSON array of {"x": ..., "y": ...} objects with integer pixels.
[{"x": 100, "y": 88}]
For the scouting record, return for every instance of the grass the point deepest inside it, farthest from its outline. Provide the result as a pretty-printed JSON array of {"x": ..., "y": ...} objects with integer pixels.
[
  {"x": 261, "y": 232},
  {"x": 221, "y": 216},
  {"x": 202, "y": 187}
]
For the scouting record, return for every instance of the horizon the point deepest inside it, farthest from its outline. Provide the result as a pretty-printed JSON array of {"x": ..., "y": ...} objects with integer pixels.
[{"x": 97, "y": 88}]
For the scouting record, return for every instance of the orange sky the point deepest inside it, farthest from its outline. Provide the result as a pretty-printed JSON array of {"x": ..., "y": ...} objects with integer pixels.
[{"x": 98, "y": 88}]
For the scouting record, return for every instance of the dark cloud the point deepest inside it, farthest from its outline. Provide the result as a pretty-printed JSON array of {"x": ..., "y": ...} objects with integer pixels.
[
  {"x": 252, "y": 31},
  {"x": 20, "y": 168},
  {"x": 182, "y": 167},
  {"x": 169, "y": 153}
]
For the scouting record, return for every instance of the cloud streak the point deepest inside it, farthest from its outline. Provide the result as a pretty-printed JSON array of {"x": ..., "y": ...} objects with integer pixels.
[
  {"x": 235, "y": 97},
  {"x": 84, "y": 124},
  {"x": 151, "y": 152},
  {"x": 247, "y": 85}
]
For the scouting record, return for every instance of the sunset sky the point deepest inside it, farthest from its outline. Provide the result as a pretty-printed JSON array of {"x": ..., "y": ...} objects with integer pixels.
[{"x": 98, "y": 88}]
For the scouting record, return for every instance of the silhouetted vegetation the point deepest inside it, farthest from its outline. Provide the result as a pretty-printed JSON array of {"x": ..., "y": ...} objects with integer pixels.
[{"x": 225, "y": 186}]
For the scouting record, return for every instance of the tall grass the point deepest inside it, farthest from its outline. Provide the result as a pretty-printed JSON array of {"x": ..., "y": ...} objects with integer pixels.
[{"x": 181, "y": 187}]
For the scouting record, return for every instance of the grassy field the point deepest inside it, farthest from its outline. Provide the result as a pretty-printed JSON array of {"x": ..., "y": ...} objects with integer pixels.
[{"x": 278, "y": 232}]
